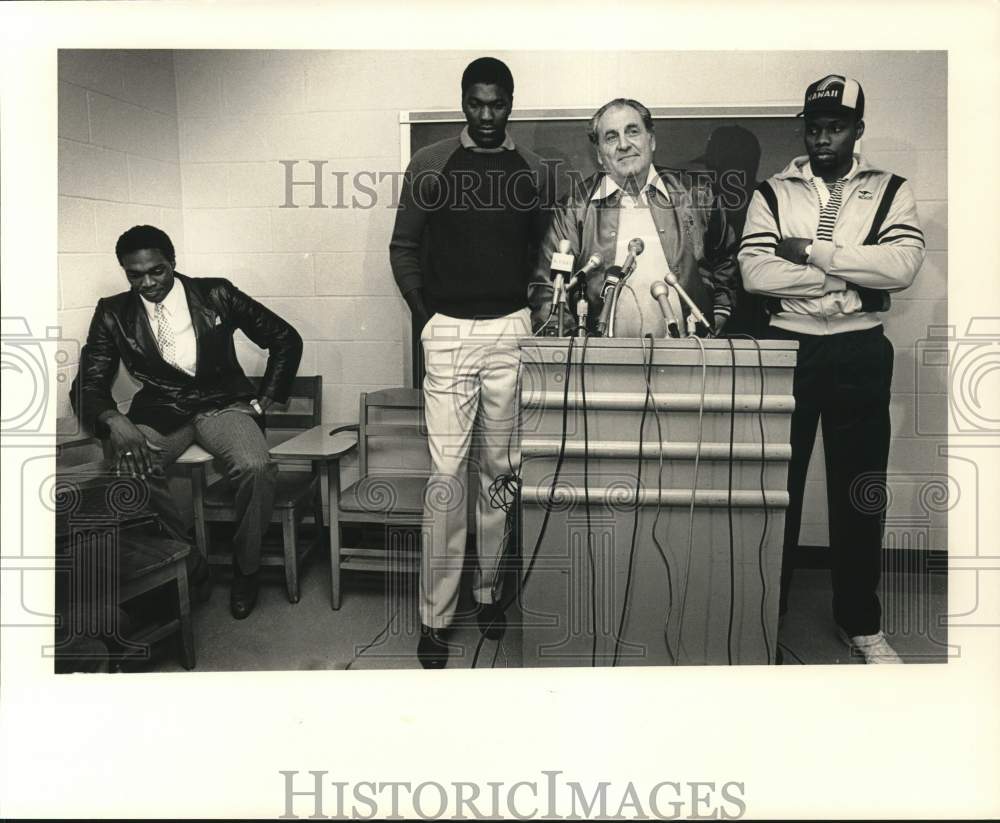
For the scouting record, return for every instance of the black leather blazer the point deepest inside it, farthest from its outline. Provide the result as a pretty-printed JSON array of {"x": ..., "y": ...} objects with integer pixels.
[{"x": 120, "y": 333}]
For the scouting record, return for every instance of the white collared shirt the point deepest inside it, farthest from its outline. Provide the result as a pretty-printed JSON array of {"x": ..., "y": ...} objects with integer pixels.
[
  {"x": 468, "y": 143},
  {"x": 185, "y": 343},
  {"x": 609, "y": 186},
  {"x": 638, "y": 313}
]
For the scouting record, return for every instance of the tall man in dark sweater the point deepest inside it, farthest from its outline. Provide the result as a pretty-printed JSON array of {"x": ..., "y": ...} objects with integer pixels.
[{"x": 462, "y": 252}]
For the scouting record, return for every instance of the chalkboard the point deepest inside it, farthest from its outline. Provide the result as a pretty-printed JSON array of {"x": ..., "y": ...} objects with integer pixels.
[{"x": 734, "y": 144}]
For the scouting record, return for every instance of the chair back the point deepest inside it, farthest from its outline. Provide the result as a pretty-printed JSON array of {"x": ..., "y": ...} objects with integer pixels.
[
  {"x": 392, "y": 435},
  {"x": 303, "y": 411}
]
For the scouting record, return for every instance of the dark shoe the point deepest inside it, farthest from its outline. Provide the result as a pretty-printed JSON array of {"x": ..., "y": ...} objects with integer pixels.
[
  {"x": 492, "y": 620},
  {"x": 243, "y": 593},
  {"x": 432, "y": 650}
]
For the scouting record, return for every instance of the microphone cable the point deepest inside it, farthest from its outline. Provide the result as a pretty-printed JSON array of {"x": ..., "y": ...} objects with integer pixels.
[
  {"x": 659, "y": 508},
  {"x": 694, "y": 491},
  {"x": 589, "y": 538},
  {"x": 798, "y": 659},
  {"x": 635, "y": 521},
  {"x": 729, "y": 505},
  {"x": 763, "y": 499},
  {"x": 545, "y": 325},
  {"x": 548, "y": 505},
  {"x": 374, "y": 640},
  {"x": 505, "y": 491}
]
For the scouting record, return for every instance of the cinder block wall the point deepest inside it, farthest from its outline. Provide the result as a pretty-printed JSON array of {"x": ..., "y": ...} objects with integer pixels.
[
  {"x": 118, "y": 167},
  {"x": 235, "y": 114}
]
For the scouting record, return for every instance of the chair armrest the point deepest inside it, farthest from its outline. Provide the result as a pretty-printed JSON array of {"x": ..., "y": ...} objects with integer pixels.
[
  {"x": 343, "y": 443},
  {"x": 316, "y": 444}
]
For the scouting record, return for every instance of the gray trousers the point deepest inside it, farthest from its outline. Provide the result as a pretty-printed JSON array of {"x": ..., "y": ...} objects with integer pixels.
[{"x": 232, "y": 435}]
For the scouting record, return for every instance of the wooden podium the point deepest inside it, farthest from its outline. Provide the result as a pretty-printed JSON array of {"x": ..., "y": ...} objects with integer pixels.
[{"x": 719, "y": 603}]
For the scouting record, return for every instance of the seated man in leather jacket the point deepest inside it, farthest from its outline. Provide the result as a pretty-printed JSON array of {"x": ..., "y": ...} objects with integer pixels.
[{"x": 174, "y": 335}]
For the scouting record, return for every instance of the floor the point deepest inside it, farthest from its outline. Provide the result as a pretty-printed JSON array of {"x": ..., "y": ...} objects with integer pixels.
[{"x": 280, "y": 636}]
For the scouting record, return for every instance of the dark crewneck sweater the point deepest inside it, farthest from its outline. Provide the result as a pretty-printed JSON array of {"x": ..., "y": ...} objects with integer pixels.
[{"x": 468, "y": 228}]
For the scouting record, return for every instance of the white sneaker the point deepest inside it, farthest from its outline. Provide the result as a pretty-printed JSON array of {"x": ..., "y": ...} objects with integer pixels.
[{"x": 873, "y": 647}]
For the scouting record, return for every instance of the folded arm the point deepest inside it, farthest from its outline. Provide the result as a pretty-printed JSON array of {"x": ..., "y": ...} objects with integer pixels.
[
  {"x": 891, "y": 262},
  {"x": 765, "y": 271}
]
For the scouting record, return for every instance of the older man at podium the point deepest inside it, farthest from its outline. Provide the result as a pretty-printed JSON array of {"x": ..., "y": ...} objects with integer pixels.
[{"x": 683, "y": 230}]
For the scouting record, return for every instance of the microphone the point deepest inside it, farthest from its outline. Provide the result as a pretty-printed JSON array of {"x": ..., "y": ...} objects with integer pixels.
[
  {"x": 660, "y": 292},
  {"x": 560, "y": 266},
  {"x": 593, "y": 262},
  {"x": 635, "y": 248},
  {"x": 671, "y": 278},
  {"x": 562, "y": 260},
  {"x": 612, "y": 277},
  {"x": 582, "y": 309}
]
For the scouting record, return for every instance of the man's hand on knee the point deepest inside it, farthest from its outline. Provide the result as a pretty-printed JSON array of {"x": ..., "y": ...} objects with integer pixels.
[{"x": 133, "y": 453}]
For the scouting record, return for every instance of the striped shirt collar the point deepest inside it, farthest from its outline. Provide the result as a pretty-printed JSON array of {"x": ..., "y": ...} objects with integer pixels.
[
  {"x": 609, "y": 187},
  {"x": 468, "y": 143}
]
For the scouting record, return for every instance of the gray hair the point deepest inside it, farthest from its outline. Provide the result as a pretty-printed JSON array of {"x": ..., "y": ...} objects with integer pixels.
[{"x": 647, "y": 118}]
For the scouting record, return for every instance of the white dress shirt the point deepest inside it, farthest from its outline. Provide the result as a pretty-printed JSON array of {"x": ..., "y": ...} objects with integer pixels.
[{"x": 185, "y": 342}]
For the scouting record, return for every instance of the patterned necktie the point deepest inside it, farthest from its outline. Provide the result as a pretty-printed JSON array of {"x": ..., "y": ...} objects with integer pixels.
[
  {"x": 165, "y": 335},
  {"x": 828, "y": 214}
]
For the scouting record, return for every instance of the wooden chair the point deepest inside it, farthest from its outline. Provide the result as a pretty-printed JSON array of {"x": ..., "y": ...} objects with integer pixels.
[
  {"x": 146, "y": 559},
  {"x": 296, "y": 495},
  {"x": 393, "y": 467}
]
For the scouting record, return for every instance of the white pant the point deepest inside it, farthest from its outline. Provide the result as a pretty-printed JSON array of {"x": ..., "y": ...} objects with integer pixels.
[{"x": 470, "y": 383}]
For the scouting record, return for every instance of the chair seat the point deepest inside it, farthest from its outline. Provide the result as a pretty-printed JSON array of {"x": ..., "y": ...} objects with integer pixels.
[
  {"x": 293, "y": 487},
  {"x": 142, "y": 554},
  {"x": 193, "y": 455},
  {"x": 385, "y": 495}
]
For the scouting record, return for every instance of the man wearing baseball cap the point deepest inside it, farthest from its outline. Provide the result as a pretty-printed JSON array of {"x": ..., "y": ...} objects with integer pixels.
[{"x": 827, "y": 240}]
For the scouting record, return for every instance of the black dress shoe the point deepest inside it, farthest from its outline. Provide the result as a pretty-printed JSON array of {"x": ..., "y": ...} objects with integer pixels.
[
  {"x": 432, "y": 650},
  {"x": 492, "y": 620},
  {"x": 243, "y": 593}
]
